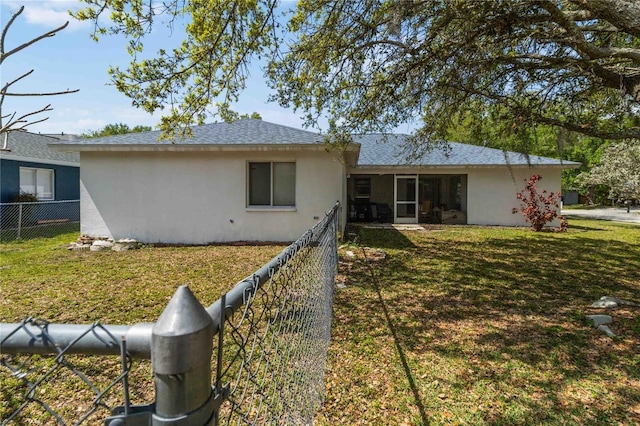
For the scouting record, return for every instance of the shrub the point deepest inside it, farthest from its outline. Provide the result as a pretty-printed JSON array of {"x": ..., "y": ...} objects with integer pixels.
[
  {"x": 539, "y": 209},
  {"x": 25, "y": 197}
]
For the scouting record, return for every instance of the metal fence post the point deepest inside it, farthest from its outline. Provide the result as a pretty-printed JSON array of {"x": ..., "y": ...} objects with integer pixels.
[
  {"x": 181, "y": 348},
  {"x": 19, "y": 218}
]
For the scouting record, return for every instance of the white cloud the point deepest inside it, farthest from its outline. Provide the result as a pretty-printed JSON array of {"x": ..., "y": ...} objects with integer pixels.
[
  {"x": 132, "y": 117},
  {"x": 50, "y": 13},
  {"x": 81, "y": 120},
  {"x": 281, "y": 116},
  {"x": 68, "y": 126}
]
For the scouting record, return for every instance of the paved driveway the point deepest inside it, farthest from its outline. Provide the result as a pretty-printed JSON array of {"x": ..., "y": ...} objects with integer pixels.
[{"x": 617, "y": 214}]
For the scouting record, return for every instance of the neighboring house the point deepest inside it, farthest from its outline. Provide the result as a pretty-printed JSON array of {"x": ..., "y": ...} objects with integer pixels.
[
  {"x": 256, "y": 181},
  {"x": 30, "y": 165}
]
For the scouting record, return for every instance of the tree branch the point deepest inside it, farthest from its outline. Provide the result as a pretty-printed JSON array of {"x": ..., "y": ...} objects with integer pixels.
[
  {"x": 63, "y": 92},
  {"x": 624, "y": 14},
  {"x": 6, "y": 28},
  {"x": 575, "y": 36},
  {"x": 21, "y": 122},
  {"x": 629, "y": 133},
  {"x": 9, "y": 122},
  {"x": 6, "y": 86},
  {"x": 30, "y": 42}
]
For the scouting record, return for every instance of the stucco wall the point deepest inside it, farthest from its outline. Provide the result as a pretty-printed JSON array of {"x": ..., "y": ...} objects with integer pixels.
[
  {"x": 491, "y": 193},
  {"x": 199, "y": 197}
]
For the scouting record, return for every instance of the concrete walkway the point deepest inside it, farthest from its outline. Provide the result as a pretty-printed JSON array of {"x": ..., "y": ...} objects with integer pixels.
[{"x": 616, "y": 214}]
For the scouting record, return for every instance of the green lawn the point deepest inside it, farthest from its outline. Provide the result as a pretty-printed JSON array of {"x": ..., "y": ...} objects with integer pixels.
[
  {"x": 467, "y": 325},
  {"x": 476, "y": 325},
  {"x": 41, "y": 278}
]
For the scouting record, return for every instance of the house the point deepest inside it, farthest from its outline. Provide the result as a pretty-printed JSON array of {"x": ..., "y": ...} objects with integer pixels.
[
  {"x": 256, "y": 181},
  {"x": 30, "y": 165},
  {"x": 466, "y": 184}
]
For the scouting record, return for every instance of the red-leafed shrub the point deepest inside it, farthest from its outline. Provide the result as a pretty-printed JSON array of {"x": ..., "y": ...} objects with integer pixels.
[{"x": 539, "y": 209}]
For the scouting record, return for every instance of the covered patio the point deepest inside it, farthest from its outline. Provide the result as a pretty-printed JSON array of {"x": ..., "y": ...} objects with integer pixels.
[{"x": 407, "y": 198}]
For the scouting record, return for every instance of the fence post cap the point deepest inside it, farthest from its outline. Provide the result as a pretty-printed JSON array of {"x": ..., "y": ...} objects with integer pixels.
[{"x": 184, "y": 323}]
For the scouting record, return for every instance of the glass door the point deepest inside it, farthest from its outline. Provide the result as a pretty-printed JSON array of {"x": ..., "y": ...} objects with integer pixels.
[{"x": 406, "y": 199}]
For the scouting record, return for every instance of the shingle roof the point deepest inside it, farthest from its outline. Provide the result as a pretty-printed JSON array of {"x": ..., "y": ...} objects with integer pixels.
[
  {"x": 31, "y": 146},
  {"x": 241, "y": 132},
  {"x": 378, "y": 150}
]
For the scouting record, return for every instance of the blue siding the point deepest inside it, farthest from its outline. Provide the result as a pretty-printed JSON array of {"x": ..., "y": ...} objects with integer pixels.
[{"x": 67, "y": 179}]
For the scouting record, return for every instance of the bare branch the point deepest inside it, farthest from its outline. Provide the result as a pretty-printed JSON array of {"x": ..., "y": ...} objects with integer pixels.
[
  {"x": 35, "y": 40},
  {"x": 63, "y": 92},
  {"x": 6, "y": 86},
  {"x": 12, "y": 122},
  {"x": 21, "y": 122},
  {"x": 6, "y": 28}
]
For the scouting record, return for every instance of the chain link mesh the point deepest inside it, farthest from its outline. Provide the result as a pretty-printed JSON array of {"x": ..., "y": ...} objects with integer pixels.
[
  {"x": 273, "y": 352},
  {"x": 33, "y": 394},
  {"x": 39, "y": 219},
  {"x": 275, "y": 346}
]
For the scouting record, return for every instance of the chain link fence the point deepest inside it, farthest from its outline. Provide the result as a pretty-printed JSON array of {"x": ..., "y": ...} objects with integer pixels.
[
  {"x": 255, "y": 356},
  {"x": 38, "y": 219},
  {"x": 274, "y": 348},
  {"x": 31, "y": 391}
]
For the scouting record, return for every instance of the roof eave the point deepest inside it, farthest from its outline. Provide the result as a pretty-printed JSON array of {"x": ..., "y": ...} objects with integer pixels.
[
  {"x": 464, "y": 166},
  {"x": 26, "y": 159}
]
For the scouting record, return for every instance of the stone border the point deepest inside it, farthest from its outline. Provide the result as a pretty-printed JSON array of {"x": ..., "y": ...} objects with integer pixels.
[{"x": 87, "y": 243}]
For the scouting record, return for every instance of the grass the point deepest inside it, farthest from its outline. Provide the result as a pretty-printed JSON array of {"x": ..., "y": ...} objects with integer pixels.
[
  {"x": 473, "y": 325},
  {"x": 46, "y": 280},
  {"x": 39, "y": 231},
  {"x": 466, "y": 325},
  {"x": 41, "y": 278}
]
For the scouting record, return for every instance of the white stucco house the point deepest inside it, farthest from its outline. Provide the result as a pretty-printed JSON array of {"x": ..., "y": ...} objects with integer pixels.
[{"x": 257, "y": 181}]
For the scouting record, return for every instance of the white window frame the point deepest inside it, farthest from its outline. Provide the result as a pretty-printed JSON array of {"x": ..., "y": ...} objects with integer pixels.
[
  {"x": 270, "y": 206},
  {"x": 51, "y": 177}
]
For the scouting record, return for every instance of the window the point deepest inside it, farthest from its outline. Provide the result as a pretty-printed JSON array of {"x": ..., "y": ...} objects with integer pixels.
[
  {"x": 362, "y": 187},
  {"x": 272, "y": 184},
  {"x": 38, "y": 182}
]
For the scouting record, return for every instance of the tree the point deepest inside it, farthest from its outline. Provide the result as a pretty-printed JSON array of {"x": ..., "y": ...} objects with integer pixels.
[
  {"x": 371, "y": 65},
  {"x": 619, "y": 169},
  {"x": 540, "y": 139},
  {"x": 539, "y": 208},
  {"x": 229, "y": 116},
  {"x": 13, "y": 121},
  {"x": 115, "y": 129}
]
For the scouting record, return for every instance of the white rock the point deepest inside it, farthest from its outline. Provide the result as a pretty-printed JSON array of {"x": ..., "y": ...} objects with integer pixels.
[
  {"x": 606, "y": 302},
  {"x": 349, "y": 253},
  {"x": 125, "y": 244},
  {"x": 79, "y": 246},
  {"x": 127, "y": 241},
  {"x": 102, "y": 243},
  {"x": 599, "y": 320},
  {"x": 606, "y": 330}
]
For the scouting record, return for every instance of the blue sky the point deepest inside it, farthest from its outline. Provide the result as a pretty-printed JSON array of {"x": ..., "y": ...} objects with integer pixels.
[{"x": 72, "y": 60}]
